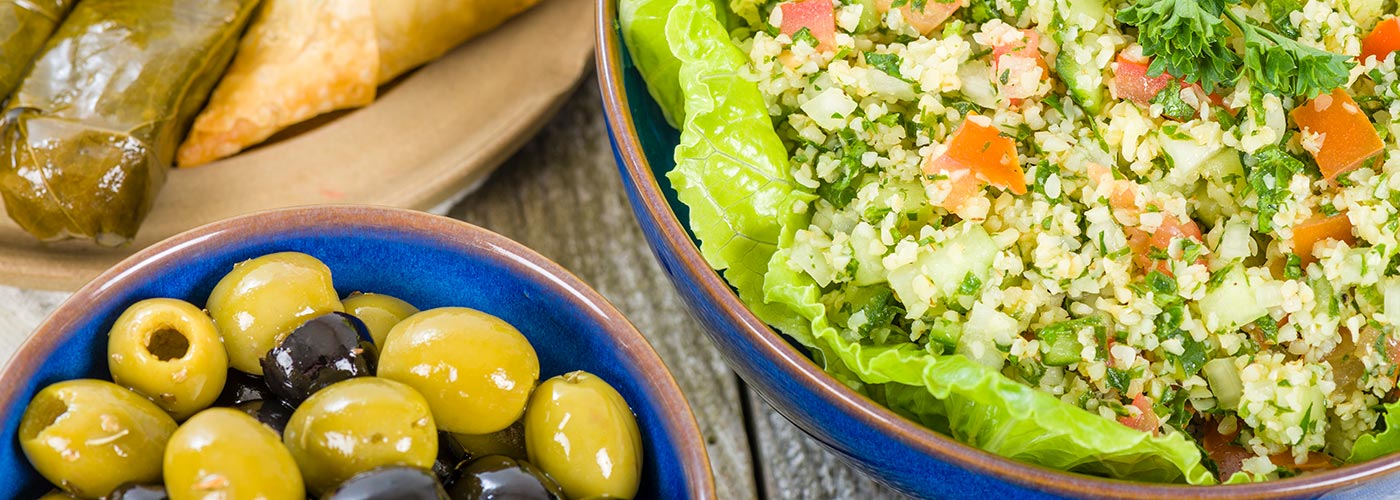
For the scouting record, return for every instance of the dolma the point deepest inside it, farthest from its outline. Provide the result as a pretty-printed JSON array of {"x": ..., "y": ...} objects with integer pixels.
[
  {"x": 87, "y": 139},
  {"x": 302, "y": 58},
  {"x": 24, "y": 27}
]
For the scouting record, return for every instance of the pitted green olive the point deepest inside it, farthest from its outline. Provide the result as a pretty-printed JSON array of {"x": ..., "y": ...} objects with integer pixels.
[
  {"x": 475, "y": 370},
  {"x": 90, "y": 436},
  {"x": 357, "y": 425},
  {"x": 581, "y": 432},
  {"x": 378, "y": 312},
  {"x": 168, "y": 351},
  {"x": 224, "y": 453},
  {"x": 264, "y": 299}
]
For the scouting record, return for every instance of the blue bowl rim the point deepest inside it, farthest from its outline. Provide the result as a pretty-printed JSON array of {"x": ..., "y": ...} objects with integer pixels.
[
  {"x": 797, "y": 366},
  {"x": 678, "y": 420}
]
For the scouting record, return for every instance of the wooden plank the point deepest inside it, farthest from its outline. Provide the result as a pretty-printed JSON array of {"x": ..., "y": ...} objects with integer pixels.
[
  {"x": 793, "y": 465},
  {"x": 562, "y": 196}
]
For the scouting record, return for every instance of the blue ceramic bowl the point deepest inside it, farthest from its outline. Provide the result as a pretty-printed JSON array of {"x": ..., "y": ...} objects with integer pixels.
[
  {"x": 426, "y": 260},
  {"x": 890, "y": 448}
]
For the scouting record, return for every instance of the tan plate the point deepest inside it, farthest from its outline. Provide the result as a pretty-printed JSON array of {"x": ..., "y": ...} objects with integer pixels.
[{"x": 428, "y": 137}]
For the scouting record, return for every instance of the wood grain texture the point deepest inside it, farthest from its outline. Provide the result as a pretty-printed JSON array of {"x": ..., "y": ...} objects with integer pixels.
[{"x": 793, "y": 465}]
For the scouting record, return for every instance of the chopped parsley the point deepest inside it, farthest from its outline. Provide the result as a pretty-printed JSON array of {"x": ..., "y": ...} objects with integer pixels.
[
  {"x": 1269, "y": 177},
  {"x": 1190, "y": 39},
  {"x": 889, "y": 63},
  {"x": 1172, "y": 105}
]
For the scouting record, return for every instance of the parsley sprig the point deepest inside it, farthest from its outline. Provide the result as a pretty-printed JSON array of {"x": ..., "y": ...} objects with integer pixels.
[{"x": 1190, "y": 39}]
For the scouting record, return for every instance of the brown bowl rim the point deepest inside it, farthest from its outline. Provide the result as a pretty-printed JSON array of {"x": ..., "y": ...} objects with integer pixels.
[{"x": 790, "y": 361}]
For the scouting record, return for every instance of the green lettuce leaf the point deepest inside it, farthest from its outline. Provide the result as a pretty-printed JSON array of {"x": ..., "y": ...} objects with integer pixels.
[
  {"x": 731, "y": 167},
  {"x": 732, "y": 171},
  {"x": 981, "y": 407},
  {"x": 643, "y": 24},
  {"x": 1371, "y": 446}
]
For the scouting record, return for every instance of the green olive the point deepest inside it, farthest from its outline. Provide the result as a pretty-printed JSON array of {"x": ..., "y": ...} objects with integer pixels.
[
  {"x": 264, "y": 299},
  {"x": 581, "y": 432},
  {"x": 475, "y": 370},
  {"x": 168, "y": 351},
  {"x": 90, "y": 436},
  {"x": 357, "y": 425},
  {"x": 224, "y": 453},
  {"x": 508, "y": 442},
  {"x": 378, "y": 312}
]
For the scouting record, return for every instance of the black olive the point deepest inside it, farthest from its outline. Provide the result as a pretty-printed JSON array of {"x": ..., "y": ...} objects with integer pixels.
[
  {"x": 132, "y": 491},
  {"x": 395, "y": 482},
  {"x": 241, "y": 388},
  {"x": 320, "y": 352},
  {"x": 273, "y": 413},
  {"x": 509, "y": 442},
  {"x": 450, "y": 453},
  {"x": 500, "y": 477}
]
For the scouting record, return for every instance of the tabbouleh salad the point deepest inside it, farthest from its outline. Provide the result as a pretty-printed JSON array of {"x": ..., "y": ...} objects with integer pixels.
[{"x": 1154, "y": 239}]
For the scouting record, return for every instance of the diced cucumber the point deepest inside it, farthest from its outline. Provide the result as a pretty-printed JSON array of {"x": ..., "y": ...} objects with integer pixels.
[
  {"x": 1060, "y": 350},
  {"x": 867, "y": 251},
  {"x": 1390, "y": 289},
  {"x": 971, "y": 252},
  {"x": 1224, "y": 380},
  {"x": 1086, "y": 92},
  {"x": 1085, "y": 13},
  {"x": 981, "y": 350},
  {"x": 869, "y": 16},
  {"x": 946, "y": 267},
  {"x": 945, "y": 332},
  {"x": 976, "y": 77},
  {"x": 1224, "y": 165},
  {"x": 1232, "y": 301},
  {"x": 1060, "y": 345},
  {"x": 1186, "y": 153}
]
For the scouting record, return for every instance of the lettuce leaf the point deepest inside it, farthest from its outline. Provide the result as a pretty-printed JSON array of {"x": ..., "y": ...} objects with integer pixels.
[
  {"x": 643, "y": 24},
  {"x": 983, "y": 408},
  {"x": 732, "y": 171},
  {"x": 1371, "y": 446},
  {"x": 731, "y": 167}
]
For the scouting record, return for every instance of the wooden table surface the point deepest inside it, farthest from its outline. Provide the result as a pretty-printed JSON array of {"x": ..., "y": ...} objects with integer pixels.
[{"x": 562, "y": 196}]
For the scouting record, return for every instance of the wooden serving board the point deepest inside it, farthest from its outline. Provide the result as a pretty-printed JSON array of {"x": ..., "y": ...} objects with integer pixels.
[{"x": 428, "y": 137}]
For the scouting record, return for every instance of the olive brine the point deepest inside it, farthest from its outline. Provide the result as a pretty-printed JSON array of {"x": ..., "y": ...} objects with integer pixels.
[{"x": 283, "y": 390}]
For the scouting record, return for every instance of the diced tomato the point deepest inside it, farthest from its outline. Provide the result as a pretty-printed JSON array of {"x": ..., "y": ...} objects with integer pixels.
[
  {"x": 1124, "y": 202},
  {"x": 1020, "y": 55},
  {"x": 1320, "y": 228},
  {"x": 818, "y": 16},
  {"x": 979, "y": 150},
  {"x": 963, "y": 184},
  {"x": 1392, "y": 349},
  {"x": 925, "y": 20},
  {"x": 1131, "y": 82},
  {"x": 1144, "y": 244},
  {"x": 1383, "y": 40},
  {"x": 1027, "y": 46},
  {"x": 1146, "y": 420},
  {"x": 1221, "y": 448},
  {"x": 1347, "y": 137}
]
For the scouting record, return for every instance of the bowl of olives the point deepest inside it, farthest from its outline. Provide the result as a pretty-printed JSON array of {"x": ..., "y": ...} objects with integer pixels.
[{"x": 343, "y": 353}]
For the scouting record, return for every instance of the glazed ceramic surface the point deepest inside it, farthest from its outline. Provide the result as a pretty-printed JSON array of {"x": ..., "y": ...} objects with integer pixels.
[
  {"x": 426, "y": 260},
  {"x": 890, "y": 448}
]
